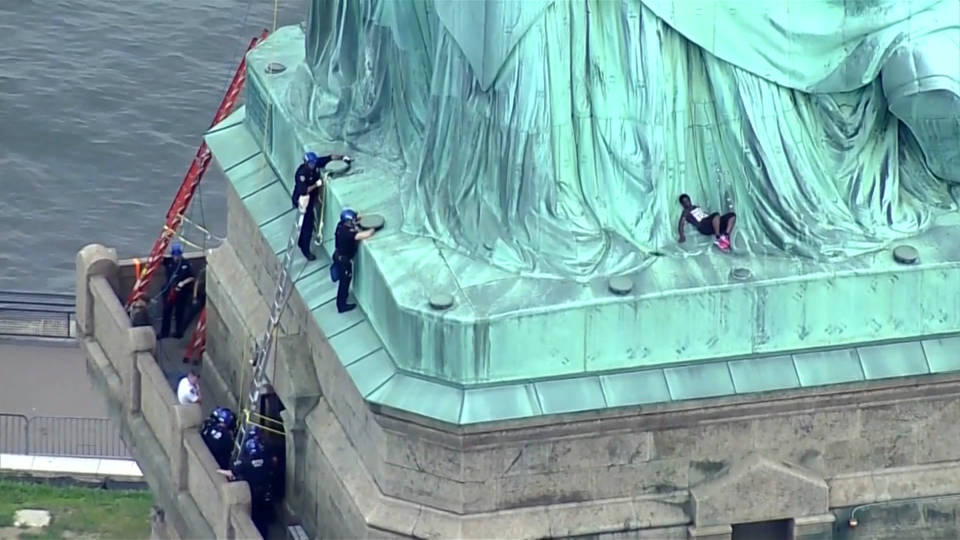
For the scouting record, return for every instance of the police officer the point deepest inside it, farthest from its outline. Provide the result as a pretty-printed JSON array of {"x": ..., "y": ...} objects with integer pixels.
[
  {"x": 179, "y": 275},
  {"x": 347, "y": 239},
  {"x": 306, "y": 192},
  {"x": 254, "y": 466},
  {"x": 218, "y": 435}
]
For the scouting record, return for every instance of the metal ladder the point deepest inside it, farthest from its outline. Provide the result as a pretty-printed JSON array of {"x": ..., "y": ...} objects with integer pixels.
[{"x": 264, "y": 346}]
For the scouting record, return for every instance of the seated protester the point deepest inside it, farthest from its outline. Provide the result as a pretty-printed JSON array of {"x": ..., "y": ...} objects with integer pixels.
[{"x": 706, "y": 224}]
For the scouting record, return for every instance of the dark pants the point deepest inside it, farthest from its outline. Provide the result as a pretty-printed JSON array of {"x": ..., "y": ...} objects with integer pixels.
[
  {"x": 176, "y": 309},
  {"x": 346, "y": 274},
  {"x": 706, "y": 226},
  {"x": 262, "y": 514},
  {"x": 306, "y": 230}
]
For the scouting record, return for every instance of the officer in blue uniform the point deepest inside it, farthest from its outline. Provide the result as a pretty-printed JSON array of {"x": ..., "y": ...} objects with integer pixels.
[
  {"x": 347, "y": 240},
  {"x": 307, "y": 183},
  {"x": 218, "y": 434},
  {"x": 175, "y": 301},
  {"x": 258, "y": 467}
]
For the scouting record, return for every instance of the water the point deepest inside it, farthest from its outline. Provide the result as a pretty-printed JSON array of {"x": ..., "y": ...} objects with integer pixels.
[{"x": 102, "y": 105}]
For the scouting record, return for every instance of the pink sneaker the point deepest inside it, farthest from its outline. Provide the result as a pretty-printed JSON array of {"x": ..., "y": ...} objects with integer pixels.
[{"x": 723, "y": 243}]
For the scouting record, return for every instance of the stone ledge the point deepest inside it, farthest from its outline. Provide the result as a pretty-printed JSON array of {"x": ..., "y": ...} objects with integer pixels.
[{"x": 892, "y": 484}]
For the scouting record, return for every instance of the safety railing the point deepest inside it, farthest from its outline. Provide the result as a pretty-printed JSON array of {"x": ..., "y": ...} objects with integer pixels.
[
  {"x": 37, "y": 314},
  {"x": 13, "y": 433},
  {"x": 61, "y": 436}
]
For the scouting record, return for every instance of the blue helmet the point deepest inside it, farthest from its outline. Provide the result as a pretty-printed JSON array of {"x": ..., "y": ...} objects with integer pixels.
[
  {"x": 311, "y": 157},
  {"x": 253, "y": 447},
  {"x": 224, "y": 415},
  {"x": 348, "y": 214},
  {"x": 176, "y": 249}
]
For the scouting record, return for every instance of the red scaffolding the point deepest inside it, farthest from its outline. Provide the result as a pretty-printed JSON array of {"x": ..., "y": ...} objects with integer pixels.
[{"x": 182, "y": 201}]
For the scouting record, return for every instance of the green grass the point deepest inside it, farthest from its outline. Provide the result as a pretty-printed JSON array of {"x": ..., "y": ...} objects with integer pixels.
[{"x": 83, "y": 511}]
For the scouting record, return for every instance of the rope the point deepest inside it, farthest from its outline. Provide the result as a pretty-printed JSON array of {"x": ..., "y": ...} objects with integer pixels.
[{"x": 249, "y": 421}]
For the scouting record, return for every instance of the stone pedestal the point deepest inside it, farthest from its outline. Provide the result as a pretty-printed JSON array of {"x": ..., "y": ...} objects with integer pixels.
[
  {"x": 713, "y": 532},
  {"x": 92, "y": 260},
  {"x": 814, "y": 527}
]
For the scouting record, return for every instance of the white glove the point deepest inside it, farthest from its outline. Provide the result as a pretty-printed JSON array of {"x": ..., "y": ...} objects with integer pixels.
[
  {"x": 302, "y": 202},
  {"x": 347, "y": 159},
  {"x": 319, "y": 182}
]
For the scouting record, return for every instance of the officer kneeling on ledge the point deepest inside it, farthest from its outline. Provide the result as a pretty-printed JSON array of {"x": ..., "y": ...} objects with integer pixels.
[
  {"x": 218, "y": 435},
  {"x": 347, "y": 240}
]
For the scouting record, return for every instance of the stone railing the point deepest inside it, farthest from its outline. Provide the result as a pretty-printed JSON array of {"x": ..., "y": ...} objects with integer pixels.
[{"x": 162, "y": 434}]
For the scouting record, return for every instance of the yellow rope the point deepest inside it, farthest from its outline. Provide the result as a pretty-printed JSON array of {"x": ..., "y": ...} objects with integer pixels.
[{"x": 248, "y": 421}]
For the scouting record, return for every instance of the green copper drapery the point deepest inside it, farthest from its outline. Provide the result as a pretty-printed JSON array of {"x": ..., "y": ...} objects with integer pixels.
[{"x": 553, "y": 137}]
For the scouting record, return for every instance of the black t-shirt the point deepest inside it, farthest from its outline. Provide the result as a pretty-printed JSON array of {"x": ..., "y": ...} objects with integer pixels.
[
  {"x": 256, "y": 472},
  {"x": 177, "y": 271},
  {"x": 219, "y": 440},
  {"x": 346, "y": 240}
]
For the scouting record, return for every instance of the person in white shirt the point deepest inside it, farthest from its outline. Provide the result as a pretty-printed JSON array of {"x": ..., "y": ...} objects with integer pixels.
[{"x": 188, "y": 391}]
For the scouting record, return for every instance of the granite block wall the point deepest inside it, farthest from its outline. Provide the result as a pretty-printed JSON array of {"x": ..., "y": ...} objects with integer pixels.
[{"x": 161, "y": 434}]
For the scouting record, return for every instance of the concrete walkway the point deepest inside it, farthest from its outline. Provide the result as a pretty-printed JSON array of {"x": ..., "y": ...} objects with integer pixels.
[
  {"x": 117, "y": 469},
  {"x": 39, "y": 378}
]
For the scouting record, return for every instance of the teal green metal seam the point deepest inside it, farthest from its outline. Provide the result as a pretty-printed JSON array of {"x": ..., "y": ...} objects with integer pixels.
[
  {"x": 926, "y": 357},
  {"x": 241, "y": 162},
  {"x": 258, "y": 190},
  {"x": 312, "y": 272},
  {"x": 463, "y": 400},
  {"x": 218, "y": 129},
  {"x": 796, "y": 372},
  {"x": 666, "y": 382},
  {"x": 603, "y": 393},
  {"x": 536, "y": 394},
  {"x": 379, "y": 386},
  {"x": 271, "y": 220},
  {"x": 863, "y": 370},
  {"x": 362, "y": 356},
  {"x": 354, "y": 325},
  {"x": 733, "y": 382}
]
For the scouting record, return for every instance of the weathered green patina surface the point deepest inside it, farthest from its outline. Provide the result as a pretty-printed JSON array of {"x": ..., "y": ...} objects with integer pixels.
[{"x": 826, "y": 184}]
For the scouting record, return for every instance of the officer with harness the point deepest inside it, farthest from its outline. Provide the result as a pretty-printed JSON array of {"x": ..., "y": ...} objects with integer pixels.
[
  {"x": 179, "y": 275},
  {"x": 347, "y": 240},
  {"x": 306, "y": 193}
]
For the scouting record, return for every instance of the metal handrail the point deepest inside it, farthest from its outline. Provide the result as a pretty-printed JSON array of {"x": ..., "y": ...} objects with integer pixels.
[
  {"x": 36, "y": 314},
  {"x": 37, "y": 301},
  {"x": 63, "y": 436},
  {"x": 4, "y": 306}
]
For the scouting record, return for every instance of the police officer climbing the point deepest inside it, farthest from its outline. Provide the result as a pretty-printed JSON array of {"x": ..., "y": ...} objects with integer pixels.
[
  {"x": 306, "y": 192},
  {"x": 347, "y": 239}
]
